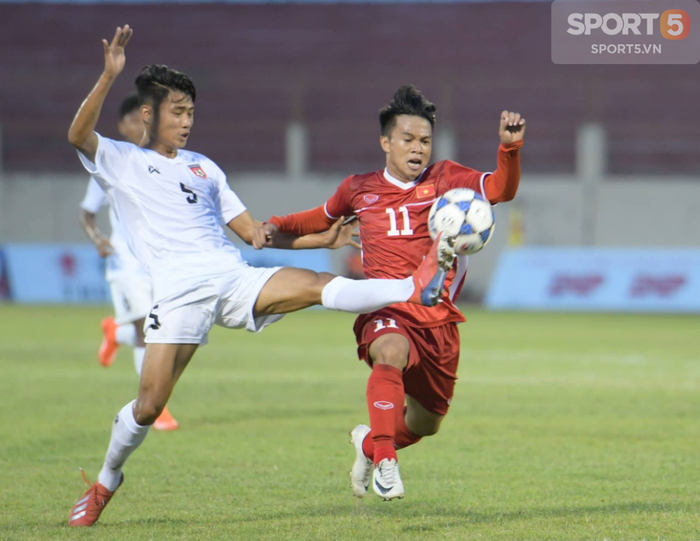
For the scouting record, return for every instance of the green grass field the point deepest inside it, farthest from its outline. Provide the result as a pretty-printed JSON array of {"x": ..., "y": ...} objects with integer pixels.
[{"x": 563, "y": 427}]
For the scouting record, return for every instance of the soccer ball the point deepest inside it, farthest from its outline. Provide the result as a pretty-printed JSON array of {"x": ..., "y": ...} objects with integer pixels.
[{"x": 465, "y": 215}]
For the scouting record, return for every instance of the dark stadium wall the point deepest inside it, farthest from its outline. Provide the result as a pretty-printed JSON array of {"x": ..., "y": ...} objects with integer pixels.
[{"x": 259, "y": 67}]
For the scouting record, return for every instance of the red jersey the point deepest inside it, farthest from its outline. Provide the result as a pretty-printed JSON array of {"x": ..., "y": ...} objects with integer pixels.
[{"x": 393, "y": 219}]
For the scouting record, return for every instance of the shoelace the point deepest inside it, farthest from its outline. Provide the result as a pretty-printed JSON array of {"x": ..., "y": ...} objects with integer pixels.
[
  {"x": 82, "y": 471},
  {"x": 87, "y": 482},
  {"x": 389, "y": 472}
]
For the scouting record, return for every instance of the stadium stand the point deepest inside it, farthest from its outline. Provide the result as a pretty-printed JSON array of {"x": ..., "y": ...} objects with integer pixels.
[{"x": 252, "y": 83}]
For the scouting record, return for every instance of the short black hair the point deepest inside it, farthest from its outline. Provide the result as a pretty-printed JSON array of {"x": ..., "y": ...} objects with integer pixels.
[
  {"x": 155, "y": 82},
  {"x": 129, "y": 104},
  {"x": 408, "y": 100}
]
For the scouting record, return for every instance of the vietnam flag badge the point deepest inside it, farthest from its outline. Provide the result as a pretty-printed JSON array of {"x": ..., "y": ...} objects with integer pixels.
[{"x": 425, "y": 191}]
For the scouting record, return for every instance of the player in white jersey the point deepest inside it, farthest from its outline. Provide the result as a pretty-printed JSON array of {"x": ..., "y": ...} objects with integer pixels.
[
  {"x": 172, "y": 204},
  {"x": 129, "y": 283}
]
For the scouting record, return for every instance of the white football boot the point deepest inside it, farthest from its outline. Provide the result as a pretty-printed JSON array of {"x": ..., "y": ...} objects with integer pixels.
[
  {"x": 362, "y": 467},
  {"x": 387, "y": 481}
]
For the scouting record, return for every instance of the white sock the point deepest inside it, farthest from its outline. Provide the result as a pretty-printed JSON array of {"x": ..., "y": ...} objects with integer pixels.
[
  {"x": 139, "y": 353},
  {"x": 364, "y": 296},
  {"x": 126, "y": 334},
  {"x": 127, "y": 435}
]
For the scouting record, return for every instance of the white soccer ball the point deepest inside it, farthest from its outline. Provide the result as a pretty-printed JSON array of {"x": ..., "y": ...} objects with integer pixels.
[{"x": 465, "y": 215}]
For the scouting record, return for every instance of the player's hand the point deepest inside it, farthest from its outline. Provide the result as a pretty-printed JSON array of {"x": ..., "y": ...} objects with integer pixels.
[
  {"x": 115, "y": 59},
  {"x": 262, "y": 236},
  {"x": 341, "y": 234},
  {"x": 104, "y": 247},
  {"x": 512, "y": 128}
]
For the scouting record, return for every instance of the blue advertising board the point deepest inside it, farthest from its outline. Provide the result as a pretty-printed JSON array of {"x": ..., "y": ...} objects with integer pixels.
[
  {"x": 597, "y": 279},
  {"x": 75, "y": 274}
]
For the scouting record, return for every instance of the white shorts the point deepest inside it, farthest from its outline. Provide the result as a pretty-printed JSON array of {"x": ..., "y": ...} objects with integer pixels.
[
  {"x": 227, "y": 300},
  {"x": 132, "y": 297}
]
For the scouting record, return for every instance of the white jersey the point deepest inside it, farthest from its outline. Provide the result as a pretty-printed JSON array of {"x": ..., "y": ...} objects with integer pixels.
[
  {"x": 171, "y": 210},
  {"x": 122, "y": 262}
]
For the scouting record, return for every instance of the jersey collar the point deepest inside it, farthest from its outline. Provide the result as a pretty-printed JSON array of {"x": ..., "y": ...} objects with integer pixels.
[
  {"x": 176, "y": 160},
  {"x": 403, "y": 185}
]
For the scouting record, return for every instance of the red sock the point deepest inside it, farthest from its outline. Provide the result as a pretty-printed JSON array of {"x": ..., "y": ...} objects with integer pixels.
[
  {"x": 403, "y": 437},
  {"x": 385, "y": 397}
]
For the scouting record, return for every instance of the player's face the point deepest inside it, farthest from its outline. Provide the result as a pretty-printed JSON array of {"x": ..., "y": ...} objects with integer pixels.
[
  {"x": 132, "y": 128},
  {"x": 171, "y": 128},
  {"x": 408, "y": 147}
]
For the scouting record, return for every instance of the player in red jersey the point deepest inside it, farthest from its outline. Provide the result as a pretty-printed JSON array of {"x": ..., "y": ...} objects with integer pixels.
[{"x": 413, "y": 350}]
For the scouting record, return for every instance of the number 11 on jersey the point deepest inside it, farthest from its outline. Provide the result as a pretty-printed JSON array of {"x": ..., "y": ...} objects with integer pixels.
[{"x": 393, "y": 231}]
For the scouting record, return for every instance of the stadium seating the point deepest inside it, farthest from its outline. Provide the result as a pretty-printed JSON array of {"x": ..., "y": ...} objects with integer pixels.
[{"x": 258, "y": 67}]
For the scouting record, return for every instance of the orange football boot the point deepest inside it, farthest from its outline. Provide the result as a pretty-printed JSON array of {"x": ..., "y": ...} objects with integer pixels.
[
  {"x": 110, "y": 346},
  {"x": 88, "y": 508},
  {"x": 430, "y": 275},
  {"x": 166, "y": 421}
]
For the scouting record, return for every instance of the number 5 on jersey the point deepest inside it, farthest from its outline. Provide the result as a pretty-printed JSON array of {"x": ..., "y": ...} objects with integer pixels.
[
  {"x": 191, "y": 199},
  {"x": 393, "y": 231}
]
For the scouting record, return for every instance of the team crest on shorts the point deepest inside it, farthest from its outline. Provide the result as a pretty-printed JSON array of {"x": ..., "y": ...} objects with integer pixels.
[{"x": 197, "y": 170}]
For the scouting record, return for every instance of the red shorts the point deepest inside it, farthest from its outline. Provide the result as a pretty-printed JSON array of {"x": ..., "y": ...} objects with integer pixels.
[{"x": 431, "y": 372}]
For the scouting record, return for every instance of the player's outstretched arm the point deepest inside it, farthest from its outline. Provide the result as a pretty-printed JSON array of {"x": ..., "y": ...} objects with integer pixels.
[
  {"x": 337, "y": 236},
  {"x": 267, "y": 235},
  {"x": 503, "y": 184},
  {"x": 81, "y": 133}
]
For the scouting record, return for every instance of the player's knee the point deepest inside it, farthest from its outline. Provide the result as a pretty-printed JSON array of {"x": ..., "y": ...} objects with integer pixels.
[
  {"x": 393, "y": 354},
  {"x": 147, "y": 410},
  {"x": 315, "y": 284},
  {"x": 322, "y": 279}
]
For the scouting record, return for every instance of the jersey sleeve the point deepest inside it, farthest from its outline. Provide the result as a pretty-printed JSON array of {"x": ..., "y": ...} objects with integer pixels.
[
  {"x": 95, "y": 197},
  {"x": 459, "y": 176},
  {"x": 503, "y": 184},
  {"x": 110, "y": 162},
  {"x": 303, "y": 223},
  {"x": 230, "y": 205},
  {"x": 340, "y": 204}
]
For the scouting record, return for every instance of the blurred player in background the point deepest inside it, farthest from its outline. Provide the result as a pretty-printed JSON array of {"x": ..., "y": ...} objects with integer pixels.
[
  {"x": 172, "y": 204},
  {"x": 413, "y": 351},
  {"x": 130, "y": 285}
]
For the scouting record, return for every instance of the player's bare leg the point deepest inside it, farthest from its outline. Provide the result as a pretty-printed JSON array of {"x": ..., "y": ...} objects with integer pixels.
[
  {"x": 162, "y": 368},
  {"x": 419, "y": 420},
  {"x": 291, "y": 289},
  {"x": 163, "y": 365},
  {"x": 165, "y": 420}
]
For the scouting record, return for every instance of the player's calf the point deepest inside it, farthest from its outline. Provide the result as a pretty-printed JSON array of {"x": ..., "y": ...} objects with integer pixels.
[{"x": 421, "y": 421}]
